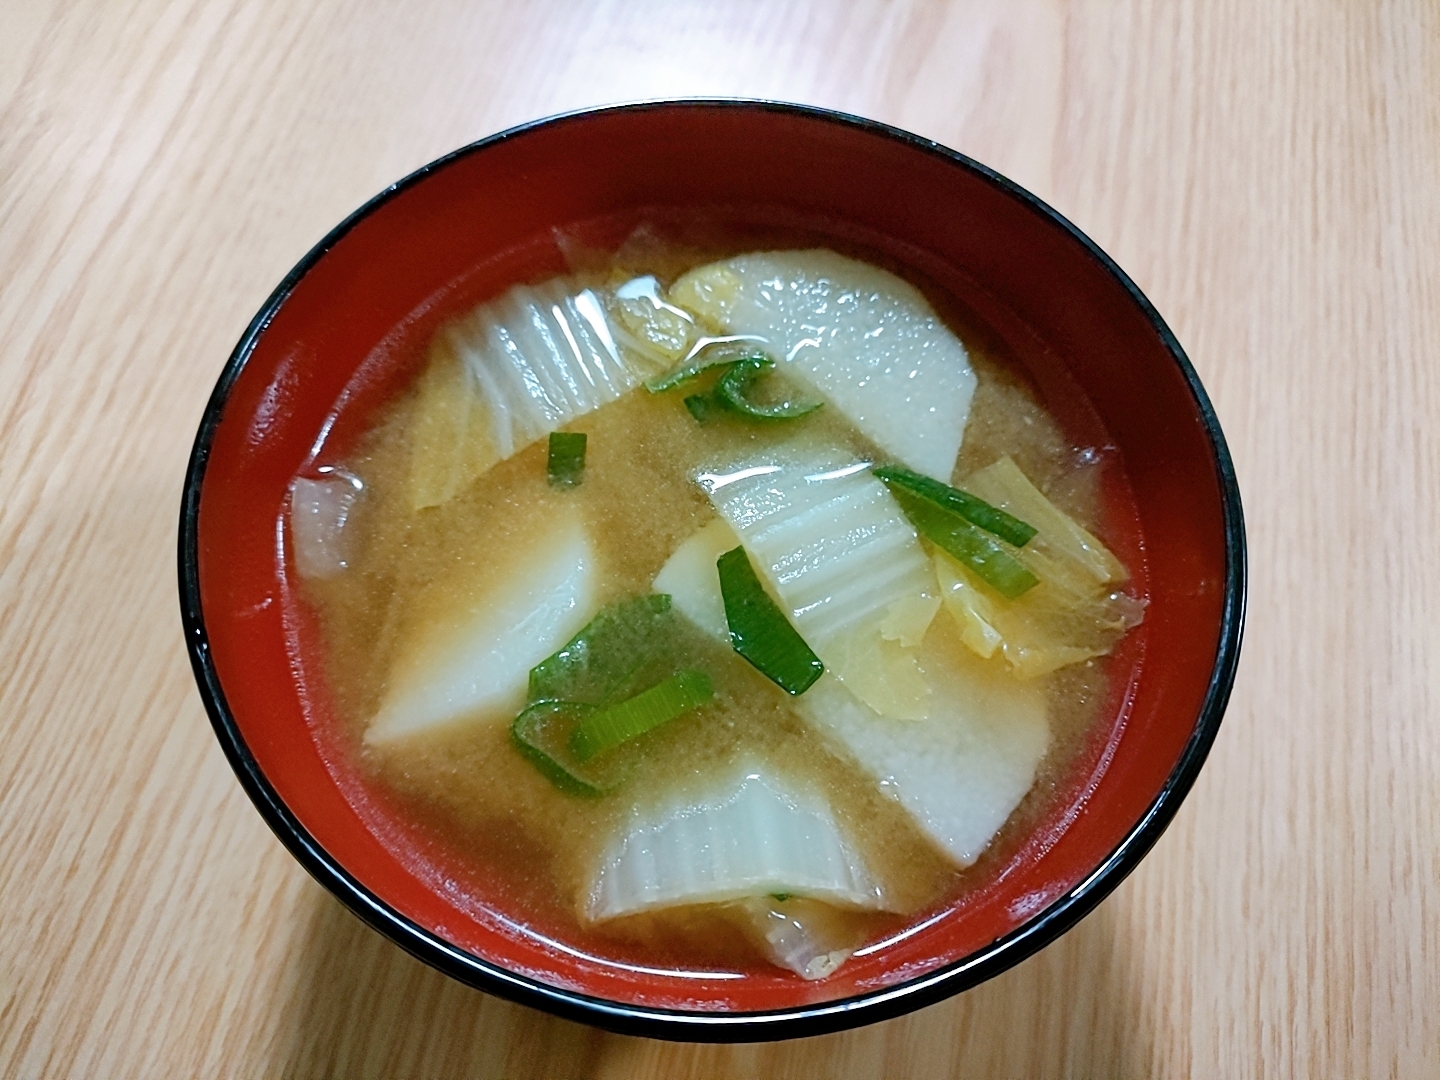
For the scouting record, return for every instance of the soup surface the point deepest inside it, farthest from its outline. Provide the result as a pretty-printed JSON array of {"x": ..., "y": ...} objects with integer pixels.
[{"x": 795, "y": 647}]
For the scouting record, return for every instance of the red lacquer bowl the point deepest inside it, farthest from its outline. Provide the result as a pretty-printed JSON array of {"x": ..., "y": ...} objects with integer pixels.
[{"x": 344, "y": 323}]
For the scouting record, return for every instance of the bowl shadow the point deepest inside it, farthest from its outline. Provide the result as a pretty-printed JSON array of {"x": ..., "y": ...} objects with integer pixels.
[{"x": 362, "y": 1007}]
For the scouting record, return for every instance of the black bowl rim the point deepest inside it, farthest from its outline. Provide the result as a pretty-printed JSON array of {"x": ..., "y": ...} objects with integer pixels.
[{"x": 805, "y": 1020}]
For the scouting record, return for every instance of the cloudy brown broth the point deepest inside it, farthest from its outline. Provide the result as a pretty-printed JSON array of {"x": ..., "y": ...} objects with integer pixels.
[{"x": 467, "y": 785}]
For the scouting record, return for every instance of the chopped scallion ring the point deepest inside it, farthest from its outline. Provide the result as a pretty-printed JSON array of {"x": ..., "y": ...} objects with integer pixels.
[
  {"x": 702, "y": 407},
  {"x": 542, "y": 734},
  {"x": 704, "y": 357},
  {"x": 566, "y": 464},
  {"x": 733, "y": 388},
  {"x": 596, "y": 663},
  {"x": 608, "y": 728}
]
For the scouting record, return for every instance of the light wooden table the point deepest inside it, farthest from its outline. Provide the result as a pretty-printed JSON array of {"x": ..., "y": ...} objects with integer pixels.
[{"x": 1268, "y": 172}]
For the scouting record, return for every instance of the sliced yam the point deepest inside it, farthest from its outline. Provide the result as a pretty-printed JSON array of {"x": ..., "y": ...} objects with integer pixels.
[
  {"x": 320, "y": 508},
  {"x": 748, "y": 835},
  {"x": 961, "y": 771},
  {"x": 864, "y": 340},
  {"x": 515, "y": 369},
  {"x": 840, "y": 556},
  {"x": 474, "y": 636},
  {"x": 689, "y": 577}
]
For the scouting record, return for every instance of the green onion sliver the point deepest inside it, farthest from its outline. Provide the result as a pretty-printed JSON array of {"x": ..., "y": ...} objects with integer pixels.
[
  {"x": 969, "y": 545},
  {"x": 567, "y": 458},
  {"x": 734, "y": 386},
  {"x": 706, "y": 359},
  {"x": 542, "y": 734},
  {"x": 620, "y": 723},
  {"x": 702, "y": 407},
  {"x": 977, "y": 511},
  {"x": 598, "y": 660},
  {"x": 760, "y": 632}
]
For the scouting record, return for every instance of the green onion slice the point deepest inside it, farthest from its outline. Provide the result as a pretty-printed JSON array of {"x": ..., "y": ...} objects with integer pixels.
[
  {"x": 567, "y": 458},
  {"x": 628, "y": 646},
  {"x": 608, "y": 728},
  {"x": 969, "y": 545},
  {"x": 977, "y": 511},
  {"x": 542, "y": 734},
  {"x": 703, "y": 407},
  {"x": 733, "y": 388},
  {"x": 701, "y": 359},
  {"x": 625, "y": 643},
  {"x": 760, "y": 632}
]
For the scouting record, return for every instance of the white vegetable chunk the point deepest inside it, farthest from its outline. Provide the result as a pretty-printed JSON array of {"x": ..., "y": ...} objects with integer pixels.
[
  {"x": 319, "y": 510},
  {"x": 863, "y": 339},
  {"x": 692, "y": 581},
  {"x": 840, "y": 555},
  {"x": 807, "y": 942},
  {"x": 962, "y": 771},
  {"x": 749, "y": 835},
  {"x": 517, "y": 368},
  {"x": 835, "y": 545},
  {"x": 473, "y": 651},
  {"x": 549, "y": 355}
]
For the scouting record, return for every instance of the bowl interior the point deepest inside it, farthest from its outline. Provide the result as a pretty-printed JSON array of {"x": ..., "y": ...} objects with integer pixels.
[{"x": 345, "y": 324}]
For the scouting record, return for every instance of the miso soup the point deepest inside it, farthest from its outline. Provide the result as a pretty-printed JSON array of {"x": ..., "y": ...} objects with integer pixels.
[{"x": 730, "y": 606}]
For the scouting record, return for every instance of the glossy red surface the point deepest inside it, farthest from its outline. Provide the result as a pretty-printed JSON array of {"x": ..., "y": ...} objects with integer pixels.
[{"x": 481, "y": 221}]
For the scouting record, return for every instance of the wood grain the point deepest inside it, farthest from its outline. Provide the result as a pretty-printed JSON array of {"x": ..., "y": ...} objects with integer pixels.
[{"x": 1270, "y": 175}]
